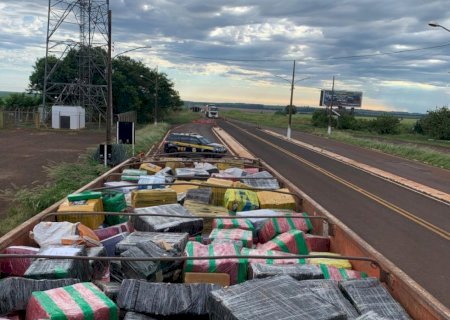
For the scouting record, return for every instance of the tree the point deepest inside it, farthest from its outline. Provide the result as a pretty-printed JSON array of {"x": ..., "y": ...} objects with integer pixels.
[
  {"x": 436, "y": 123},
  {"x": 385, "y": 124},
  {"x": 21, "y": 100},
  {"x": 320, "y": 118},
  {"x": 294, "y": 109}
]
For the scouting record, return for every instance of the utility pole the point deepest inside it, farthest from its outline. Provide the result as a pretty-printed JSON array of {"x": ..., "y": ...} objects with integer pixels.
[
  {"x": 290, "y": 104},
  {"x": 331, "y": 108},
  {"x": 109, "y": 96},
  {"x": 155, "y": 112}
]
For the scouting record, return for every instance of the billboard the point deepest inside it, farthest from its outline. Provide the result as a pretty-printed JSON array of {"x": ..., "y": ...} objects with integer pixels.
[{"x": 341, "y": 98}]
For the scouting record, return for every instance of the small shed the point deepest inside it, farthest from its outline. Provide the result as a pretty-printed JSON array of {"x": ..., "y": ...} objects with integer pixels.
[{"x": 68, "y": 117}]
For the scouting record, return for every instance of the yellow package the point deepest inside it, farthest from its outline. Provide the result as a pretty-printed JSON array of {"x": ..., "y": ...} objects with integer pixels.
[
  {"x": 218, "y": 193},
  {"x": 152, "y": 197},
  {"x": 240, "y": 200},
  {"x": 92, "y": 205},
  {"x": 150, "y": 168},
  {"x": 275, "y": 200},
  {"x": 338, "y": 263}
]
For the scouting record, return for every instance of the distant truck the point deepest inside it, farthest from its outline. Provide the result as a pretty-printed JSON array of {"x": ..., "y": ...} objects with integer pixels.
[{"x": 212, "y": 111}]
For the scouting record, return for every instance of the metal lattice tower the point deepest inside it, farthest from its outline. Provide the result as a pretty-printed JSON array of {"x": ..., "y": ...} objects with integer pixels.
[{"x": 77, "y": 30}]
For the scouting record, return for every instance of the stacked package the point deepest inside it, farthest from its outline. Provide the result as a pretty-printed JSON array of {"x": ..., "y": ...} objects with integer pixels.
[
  {"x": 167, "y": 224},
  {"x": 91, "y": 205},
  {"x": 244, "y": 236},
  {"x": 271, "y": 298},
  {"x": 110, "y": 243},
  {"x": 244, "y": 224},
  {"x": 176, "y": 240},
  {"x": 114, "y": 201},
  {"x": 60, "y": 268},
  {"x": 137, "y": 316},
  {"x": 291, "y": 241},
  {"x": 151, "y": 182},
  {"x": 219, "y": 187},
  {"x": 154, "y": 197},
  {"x": 165, "y": 299},
  {"x": 110, "y": 289},
  {"x": 333, "y": 260},
  {"x": 202, "y": 195},
  {"x": 236, "y": 268},
  {"x": 296, "y": 271},
  {"x": 257, "y": 252},
  {"x": 182, "y": 187},
  {"x": 240, "y": 200},
  {"x": 17, "y": 267},
  {"x": 48, "y": 233},
  {"x": 202, "y": 209},
  {"x": 206, "y": 166},
  {"x": 187, "y": 173},
  {"x": 259, "y": 222},
  {"x": 108, "y": 232},
  {"x": 338, "y": 274},
  {"x": 261, "y": 180},
  {"x": 15, "y": 292},
  {"x": 98, "y": 269},
  {"x": 150, "y": 168},
  {"x": 276, "y": 226},
  {"x": 122, "y": 186},
  {"x": 369, "y": 295},
  {"x": 132, "y": 174},
  {"x": 276, "y": 200},
  {"x": 79, "y": 301}
]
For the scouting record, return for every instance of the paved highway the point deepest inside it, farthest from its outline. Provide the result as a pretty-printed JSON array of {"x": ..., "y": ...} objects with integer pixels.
[{"x": 410, "y": 229}]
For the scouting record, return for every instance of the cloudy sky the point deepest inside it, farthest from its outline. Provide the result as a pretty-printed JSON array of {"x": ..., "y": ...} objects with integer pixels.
[{"x": 239, "y": 51}]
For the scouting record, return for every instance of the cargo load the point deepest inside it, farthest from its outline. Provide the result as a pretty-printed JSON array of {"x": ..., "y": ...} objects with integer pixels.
[
  {"x": 150, "y": 168},
  {"x": 218, "y": 192},
  {"x": 110, "y": 243},
  {"x": 154, "y": 197},
  {"x": 276, "y": 200},
  {"x": 296, "y": 271},
  {"x": 291, "y": 241},
  {"x": 17, "y": 267},
  {"x": 244, "y": 236},
  {"x": 337, "y": 263},
  {"x": 224, "y": 223},
  {"x": 92, "y": 205},
  {"x": 176, "y": 240},
  {"x": 261, "y": 180},
  {"x": 276, "y": 226},
  {"x": 261, "y": 214},
  {"x": 259, "y": 252},
  {"x": 202, "y": 195},
  {"x": 151, "y": 182},
  {"x": 240, "y": 200},
  {"x": 338, "y": 274},
  {"x": 110, "y": 231}
]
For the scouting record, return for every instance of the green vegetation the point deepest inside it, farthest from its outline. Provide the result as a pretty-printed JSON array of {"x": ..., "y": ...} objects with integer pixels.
[
  {"x": 436, "y": 124},
  {"x": 64, "y": 178},
  {"x": 182, "y": 116}
]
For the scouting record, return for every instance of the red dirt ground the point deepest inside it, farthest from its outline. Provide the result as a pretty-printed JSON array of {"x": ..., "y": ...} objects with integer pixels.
[{"x": 24, "y": 152}]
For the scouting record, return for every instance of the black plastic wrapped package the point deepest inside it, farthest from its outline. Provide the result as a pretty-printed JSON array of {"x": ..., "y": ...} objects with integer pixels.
[
  {"x": 329, "y": 291},
  {"x": 190, "y": 173},
  {"x": 165, "y": 299},
  {"x": 137, "y": 316},
  {"x": 110, "y": 289},
  {"x": 268, "y": 299},
  {"x": 115, "y": 271},
  {"x": 98, "y": 269},
  {"x": 202, "y": 195},
  {"x": 371, "y": 315},
  {"x": 296, "y": 271},
  {"x": 167, "y": 224},
  {"x": 176, "y": 240},
  {"x": 206, "y": 166},
  {"x": 369, "y": 295},
  {"x": 15, "y": 292},
  {"x": 60, "y": 268},
  {"x": 261, "y": 180},
  {"x": 146, "y": 270}
]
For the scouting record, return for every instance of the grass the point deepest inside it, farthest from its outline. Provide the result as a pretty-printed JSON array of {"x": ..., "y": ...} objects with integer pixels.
[
  {"x": 64, "y": 178},
  {"x": 183, "y": 116},
  {"x": 414, "y": 147}
]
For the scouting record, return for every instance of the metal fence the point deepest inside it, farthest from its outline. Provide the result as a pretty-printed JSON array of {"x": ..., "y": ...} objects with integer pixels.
[{"x": 19, "y": 118}]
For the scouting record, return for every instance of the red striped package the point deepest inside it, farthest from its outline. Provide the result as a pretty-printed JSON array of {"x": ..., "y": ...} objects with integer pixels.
[
  {"x": 17, "y": 267},
  {"x": 317, "y": 243},
  {"x": 236, "y": 268},
  {"x": 76, "y": 302},
  {"x": 333, "y": 273},
  {"x": 259, "y": 252},
  {"x": 244, "y": 224},
  {"x": 233, "y": 234},
  {"x": 276, "y": 226},
  {"x": 109, "y": 232},
  {"x": 291, "y": 241}
]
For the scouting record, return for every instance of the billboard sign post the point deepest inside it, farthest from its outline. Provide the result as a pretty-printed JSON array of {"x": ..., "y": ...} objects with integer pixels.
[{"x": 341, "y": 98}]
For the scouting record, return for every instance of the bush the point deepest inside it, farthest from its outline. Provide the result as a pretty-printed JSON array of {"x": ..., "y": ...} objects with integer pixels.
[
  {"x": 320, "y": 119},
  {"x": 280, "y": 113},
  {"x": 385, "y": 124},
  {"x": 436, "y": 124},
  {"x": 294, "y": 109},
  {"x": 346, "y": 121}
]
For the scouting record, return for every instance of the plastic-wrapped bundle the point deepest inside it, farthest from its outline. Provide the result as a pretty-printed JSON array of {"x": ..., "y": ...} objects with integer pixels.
[
  {"x": 111, "y": 242},
  {"x": 114, "y": 201},
  {"x": 371, "y": 316},
  {"x": 123, "y": 186},
  {"x": 15, "y": 292},
  {"x": 276, "y": 200},
  {"x": 198, "y": 208},
  {"x": 92, "y": 205},
  {"x": 264, "y": 180},
  {"x": 291, "y": 241},
  {"x": 334, "y": 273},
  {"x": 165, "y": 299},
  {"x": 233, "y": 234},
  {"x": 150, "y": 168},
  {"x": 236, "y": 172},
  {"x": 244, "y": 224},
  {"x": 16, "y": 267},
  {"x": 338, "y": 263},
  {"x": 48, "y": 233},
  {"x": 134, "y": 172},
  {"x": 225, "y": 176},
  {"x": 202, "y": 195},
  {"x": 296, "y": 271},
  {"x": 153, "y": 197},
  {"x": 206, "y": 166},
  {"x": 270, "y": 298},
  {"x": 115, "y": 271},
  {"x": 191, "y": 173},
  {"x": 276, "y": 226},
  {"x": 167, "y": 174},
  {"x": 137, "y": 316},
  {"x": 249, "y": 171},
  {"x": 59, "y": 268},
  {"x": 167, "y": 224},
  {"x": 110, "y": 289},
  {"x": 78, "y": 301},
  {"x": 329, "y": 291},
  {"x": 146, "y": 270},
  {"x": 236, "y": 268},
  {"x": 99, "y": 269},
  {"x": 240, "y": 200},
  {"x": 317, "y": 243},
  {"x": 176, "y": 240},
  {"x": 369, "y": 295},
  {"x": 157, "y": 182},
  {"x": 258, "y": 252},
  {"x": 237, "y": 243},
  {"x": 219, "y": 187},
  {"x": 258, "y": 223},
  {"x": 108, "y": 232}
]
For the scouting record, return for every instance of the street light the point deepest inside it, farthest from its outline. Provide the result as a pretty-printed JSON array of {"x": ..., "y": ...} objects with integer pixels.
[
  {"x": 155, "y": 81},
  {"x": 437, "y": 25}
]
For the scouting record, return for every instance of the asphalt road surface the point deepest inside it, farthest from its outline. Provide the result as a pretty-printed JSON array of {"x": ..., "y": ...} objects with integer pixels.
[{"x": 410, "y": 229}]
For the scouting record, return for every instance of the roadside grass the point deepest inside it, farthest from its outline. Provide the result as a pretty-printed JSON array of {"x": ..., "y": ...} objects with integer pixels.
[
  {"x": 415, "y": 147},
  {"x": 182, "y": 116},
  {"x": 64, "y": 178}
]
